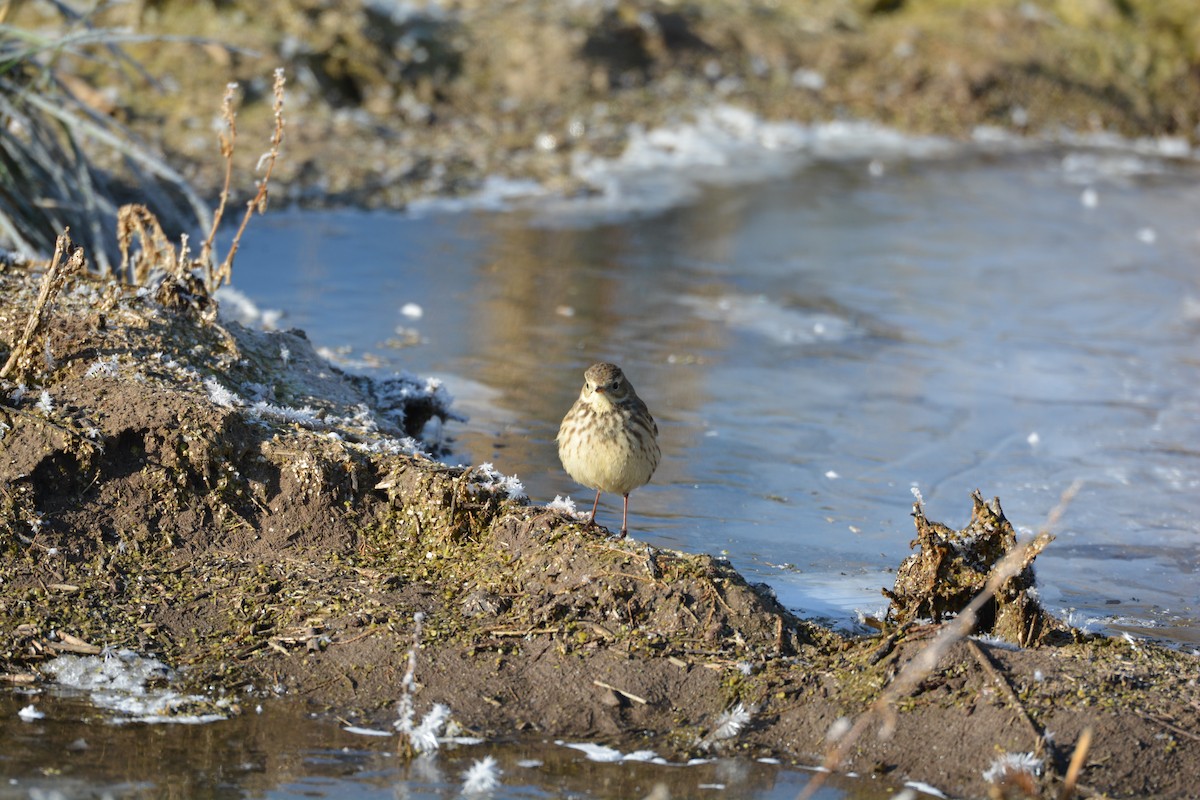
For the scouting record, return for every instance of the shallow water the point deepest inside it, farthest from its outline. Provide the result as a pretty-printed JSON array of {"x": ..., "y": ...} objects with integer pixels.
[
  {"x": 280, "y": 751},
  {"x": 814, "y": 344}
]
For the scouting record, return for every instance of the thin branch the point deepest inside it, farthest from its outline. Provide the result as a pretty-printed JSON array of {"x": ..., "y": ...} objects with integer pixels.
[
  {"x": 985, "y": 662},
  {"x": 1076, "y": 766}
]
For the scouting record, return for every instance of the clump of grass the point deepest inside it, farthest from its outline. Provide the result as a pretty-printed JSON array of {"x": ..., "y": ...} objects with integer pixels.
[
  {"x": 53, "y": 140},
  {"x": 157, "y": 251}
]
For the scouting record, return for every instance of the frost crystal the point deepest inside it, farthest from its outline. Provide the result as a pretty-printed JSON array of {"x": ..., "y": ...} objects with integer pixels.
[
  {"x": 424, "y": 737},
  {"x": 103, "y": 368},
  {"x": 1012, "y": 763},
  {"x": 220, "y": 395},
  {"x": 564, "y": 504},
  {"x": 305, "y": 417},
  {"x": 731, "y": 722},
  {"x": 489, "y": 479},
  {"x": 729, "y": 725},
  {"x": 482, "y": 777}
]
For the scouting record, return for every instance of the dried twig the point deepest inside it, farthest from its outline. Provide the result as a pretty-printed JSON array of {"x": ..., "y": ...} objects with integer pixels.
[
  {"x": 1169, "y": 724},
  {"x": 157, "y": 250},
  {"x": 227, "y": 139},
  {"x": 259, "y": 201},
  {"x": 1076, "y": 765},
  {"x": 924, "y": 663},
  {"x": 627, "y": 695},
  {"x": 53, "y": 282}
]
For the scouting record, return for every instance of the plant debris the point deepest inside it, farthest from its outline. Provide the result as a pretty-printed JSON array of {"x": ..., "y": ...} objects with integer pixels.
[{"x": 952, "y": 567}]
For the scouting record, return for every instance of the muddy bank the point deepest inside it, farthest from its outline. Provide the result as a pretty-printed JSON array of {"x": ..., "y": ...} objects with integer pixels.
[
  {"x": 396, "y": 101},
  {"x": 228, "y": 501}
]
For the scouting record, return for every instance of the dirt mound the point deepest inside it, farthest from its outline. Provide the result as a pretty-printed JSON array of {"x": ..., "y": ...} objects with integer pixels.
[{"x": 230, "y": 502}]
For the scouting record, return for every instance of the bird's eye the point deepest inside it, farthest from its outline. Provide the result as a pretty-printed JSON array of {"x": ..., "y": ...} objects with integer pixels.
[{"x": 613, "y": 385}]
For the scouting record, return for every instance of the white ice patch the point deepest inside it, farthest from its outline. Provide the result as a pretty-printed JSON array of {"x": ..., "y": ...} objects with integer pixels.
[
  {"x": 763, "y": 316},
  {"x": 366, "y": 731},
  {"x": 496, "y": 193},
  {"x": 133, "y": 686},
  {"x": 609, "y": 755},
  {"x": 30, "y": 713},
  {"x": 234, "y": 306},
  {"x": 723, "y": 145}
]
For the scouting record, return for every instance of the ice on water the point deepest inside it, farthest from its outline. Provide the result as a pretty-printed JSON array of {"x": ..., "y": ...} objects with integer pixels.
[{"x": 136, "y": 687}]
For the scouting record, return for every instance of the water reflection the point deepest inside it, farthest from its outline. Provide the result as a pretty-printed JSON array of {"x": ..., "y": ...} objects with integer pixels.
[{"x": 283, "y": 751}]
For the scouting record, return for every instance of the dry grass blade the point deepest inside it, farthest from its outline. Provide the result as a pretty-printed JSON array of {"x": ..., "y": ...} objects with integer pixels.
[
  {"x": 157, "y": 250},
  {"x": 926, "y": 661},
  {"x": 56, "y": 277},
  {"x": 227, "y": 138}
]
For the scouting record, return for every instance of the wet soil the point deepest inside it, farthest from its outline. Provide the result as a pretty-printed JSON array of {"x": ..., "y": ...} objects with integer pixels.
[{"x": 228, "y": 501}]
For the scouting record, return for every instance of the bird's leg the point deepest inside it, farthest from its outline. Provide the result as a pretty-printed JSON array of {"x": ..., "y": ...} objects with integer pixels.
[
  {"x": 592, "y": 521},
  {"x": 625, "y": 518}
]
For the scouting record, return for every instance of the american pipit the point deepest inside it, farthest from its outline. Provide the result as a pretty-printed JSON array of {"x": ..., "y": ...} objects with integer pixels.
[{"x": 608, "y": 441}]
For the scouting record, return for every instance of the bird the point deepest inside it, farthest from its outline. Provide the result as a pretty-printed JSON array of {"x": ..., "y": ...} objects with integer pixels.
[{"x": 608, "y": 441}]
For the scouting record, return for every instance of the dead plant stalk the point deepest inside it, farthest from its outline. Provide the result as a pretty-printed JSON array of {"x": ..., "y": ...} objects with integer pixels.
[
  {"x": 53, "y": 282},
  {"x": 217, "y": 276},
  {"x": 925, "y": 662}
]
